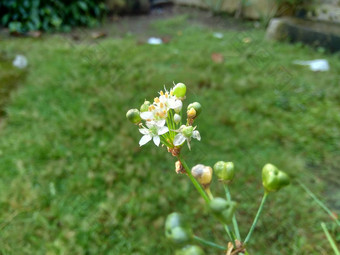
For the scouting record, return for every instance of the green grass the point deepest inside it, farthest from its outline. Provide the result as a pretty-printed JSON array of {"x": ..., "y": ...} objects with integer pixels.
[{"x": 74, "y": 181}]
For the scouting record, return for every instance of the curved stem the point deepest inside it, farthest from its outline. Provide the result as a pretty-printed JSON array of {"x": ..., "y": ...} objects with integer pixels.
[
  {"x": 235, "y": 224},
  {"x": 208, "y": 243},
  {"x": 256, "y": 217},
  {"x": 193, "y": 180}
]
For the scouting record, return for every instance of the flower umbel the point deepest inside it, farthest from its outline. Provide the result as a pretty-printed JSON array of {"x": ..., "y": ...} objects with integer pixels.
[{"x": 160, "y": 120}]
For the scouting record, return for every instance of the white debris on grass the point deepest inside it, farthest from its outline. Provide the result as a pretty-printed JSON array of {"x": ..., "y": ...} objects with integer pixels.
[
  {"x": 20, "y": 61},
  {"x": 155, "y": 41},
  {"x": 316, "y": 65},
  {"x": 218, "y": 35}
]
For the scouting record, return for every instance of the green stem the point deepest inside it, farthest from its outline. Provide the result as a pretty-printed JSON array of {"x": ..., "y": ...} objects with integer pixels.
[
  {"x": 235, "y": 224},
  {"x": 210, "y": 195},
  {"x": 256, "y": 217},
  {"x": 208, "y": 243},
  {"x": 193, "y": 180},
  {"x": 319, "y": 202},
  {"x": 330, "y": 239}
]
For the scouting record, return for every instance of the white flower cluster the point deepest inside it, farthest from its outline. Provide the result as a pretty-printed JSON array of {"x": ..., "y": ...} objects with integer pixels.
[{"x": 162, "y": 119}]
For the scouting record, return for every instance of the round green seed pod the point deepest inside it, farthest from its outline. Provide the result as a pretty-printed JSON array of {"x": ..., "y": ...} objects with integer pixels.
[
  {"x": 273, "y": 179},
  {"x": 196, "y": 106},
  {"x": 180, "y": 235},
  {"x": 224, "y": 170},
  {"x": 222, "y": 209},
  {"x": 173, "y": 220},
  {"x": 133, "y": 116},
  {"x": 190, "y": 250},
  {"x": 179, "y": 90}
]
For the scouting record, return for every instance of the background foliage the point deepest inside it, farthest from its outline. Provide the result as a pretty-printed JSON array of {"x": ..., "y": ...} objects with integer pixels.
[{"x": 25, "y": 15}]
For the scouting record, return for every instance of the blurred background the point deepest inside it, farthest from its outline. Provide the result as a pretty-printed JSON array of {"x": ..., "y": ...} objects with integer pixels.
[{"x": 73, "y": 178}]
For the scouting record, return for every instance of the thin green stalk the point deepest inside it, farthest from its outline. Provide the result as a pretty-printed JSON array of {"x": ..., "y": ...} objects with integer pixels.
[
  {"x": 235, "y": 224},
  {"x": 208, "y": 243},
  {"x": 193, "y": 180},
  {"x": 229, "y": 233},
  {"x": 319, "y": 202},
  {"x": 256, "y": 217},
  {"x": 210, "y": 195},
  {"x": 330, "y": 239}
]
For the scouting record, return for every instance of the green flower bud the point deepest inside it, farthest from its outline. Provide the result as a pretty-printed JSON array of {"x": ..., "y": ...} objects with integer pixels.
[
  {"x": 203, "y": 174},
  {"x": 145, "y": 107},
  {"x": 273, "y": 179},
  {"x": 187, "y": 131},
  {"x": 179, "y": 90},
  {"x": 224, "y": 170},
  {"x": 197, "y": 107},
  {"x": 223, "y": 209},
  {"x": 190, "y": 250},
  {"x": 133, "y": 116}
]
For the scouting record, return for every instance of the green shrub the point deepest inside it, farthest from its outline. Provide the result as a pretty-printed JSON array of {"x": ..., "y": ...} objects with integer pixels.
[{"x": 25, "y": 15}]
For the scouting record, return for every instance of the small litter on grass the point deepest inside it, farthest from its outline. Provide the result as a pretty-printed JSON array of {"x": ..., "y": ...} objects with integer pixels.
[
  {"x": 155, "y": 41},
  {"x": 316, "y": 65},
  {"x": 20, "y": 61},
  {"x": 217, "y": 58},
  {"x": 218, "y": 35}
]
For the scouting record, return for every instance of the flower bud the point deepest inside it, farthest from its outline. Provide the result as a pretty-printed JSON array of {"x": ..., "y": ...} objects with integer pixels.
[
  {"x": 224, "y": 170},
  {"x": 190, "y": 250},
  {"x": 177, "y": 118},
  {"x": 222, "y": 209},
  {"x": 180, "y": 235},
  {"x": 187, "y": 131},
  {"x": 197, "y": 106},
  {"x": 133, "y": 116},
  {"x": 203, "y": 174},
  {"x": 273, "y": 179},
  {"x": 179, "y": 90},
  {"x": 191, "y": 113},
  {"x": 178, "y": 108},
  {"x": 145, "y": 106}
]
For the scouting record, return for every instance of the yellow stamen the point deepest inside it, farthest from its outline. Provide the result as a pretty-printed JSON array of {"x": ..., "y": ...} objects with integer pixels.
[
  {"x": 161, "y": 93},
  {"x": 161, "y": 105},
  {"x": 156, "y": 100},
  {"x": 166, "y": 95}
]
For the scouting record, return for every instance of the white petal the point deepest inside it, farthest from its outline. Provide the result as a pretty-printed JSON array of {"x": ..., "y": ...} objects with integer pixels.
[
  {"x": 144, "y": 131},
  {"x": 196, "y": 135},
  {"x": 160, "y": 123},
  {"x": 156, "y": 140},
  {"x": 146, "y": 115},
  {"x": 179, "y": 139},
  {"x": 163, "y": 130},
  {"x": 178, "y": 106},
  {"x": 174, "y": 103},
  {"x": 145, "y": 139}
]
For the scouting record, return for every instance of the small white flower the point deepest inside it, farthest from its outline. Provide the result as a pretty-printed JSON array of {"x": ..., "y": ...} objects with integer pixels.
[
  {"x": 154, "y": 130},
  {"x": 185, "y": 134}
]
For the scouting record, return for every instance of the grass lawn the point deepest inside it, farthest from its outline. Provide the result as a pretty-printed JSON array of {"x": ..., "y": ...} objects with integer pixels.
[{"x": 73, "y": 179}]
